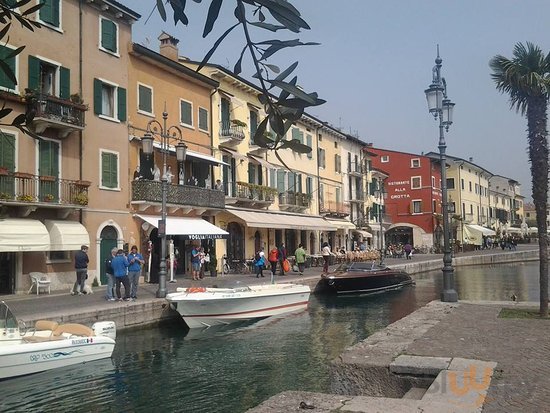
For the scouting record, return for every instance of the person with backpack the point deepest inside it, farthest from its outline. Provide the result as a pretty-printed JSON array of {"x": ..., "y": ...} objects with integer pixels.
[
  {"x": 273, "y": 259},
  {"x": 259, "y": 262},
  {"x": 109, "y": 295}
]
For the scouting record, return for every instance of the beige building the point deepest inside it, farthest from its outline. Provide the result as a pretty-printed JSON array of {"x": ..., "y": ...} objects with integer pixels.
[{"x": 68, "y": 187}]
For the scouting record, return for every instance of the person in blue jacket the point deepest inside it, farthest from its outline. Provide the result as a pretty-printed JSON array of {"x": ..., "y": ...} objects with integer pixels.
[
  {"x": 120, "y": 270},
  {"x": 135, "y": 261}
]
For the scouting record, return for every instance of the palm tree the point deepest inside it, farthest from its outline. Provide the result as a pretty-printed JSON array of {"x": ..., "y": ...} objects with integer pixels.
[{"x": 526, "y": 78}]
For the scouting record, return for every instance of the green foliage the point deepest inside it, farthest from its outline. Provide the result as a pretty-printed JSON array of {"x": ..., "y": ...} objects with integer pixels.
[{"x": 288, "y": 106}]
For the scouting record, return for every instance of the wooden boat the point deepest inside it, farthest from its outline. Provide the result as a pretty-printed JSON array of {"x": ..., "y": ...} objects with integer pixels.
[
  {"x": 50, "y": 345},
  {"x": 364, "y": 277},
  {"x": 204, "y": 307}
]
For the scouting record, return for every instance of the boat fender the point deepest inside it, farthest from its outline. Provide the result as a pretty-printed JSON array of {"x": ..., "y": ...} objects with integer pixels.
[
  {"x": 196, "y": 290},
  {"x": 105, "y": 328}
]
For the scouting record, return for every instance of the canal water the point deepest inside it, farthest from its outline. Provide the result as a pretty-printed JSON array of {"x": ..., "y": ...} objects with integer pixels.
[{"x": 230, "y": 370}]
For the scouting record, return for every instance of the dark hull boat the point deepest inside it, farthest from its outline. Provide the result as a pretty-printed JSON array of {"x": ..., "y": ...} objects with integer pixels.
[{"x": 362, "y": 277}]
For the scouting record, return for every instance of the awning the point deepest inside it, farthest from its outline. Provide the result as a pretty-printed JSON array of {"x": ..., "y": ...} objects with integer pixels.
[
  {"x": 473, "y": 234},
  {"x": 364, "y": 234},
  {"x": 190, "y": 228},
  {"x": 260, "y": 219},
  {"x": 235, "y": 154},
  {"x": 203, "y": 157},
  {"x": 341, "y": 223},
  {"x": 261, "y": 161},
  {"x": 485, "y": 231},
  {"x": 19, "y": 234},
  {"x": 67, "y": 235}
]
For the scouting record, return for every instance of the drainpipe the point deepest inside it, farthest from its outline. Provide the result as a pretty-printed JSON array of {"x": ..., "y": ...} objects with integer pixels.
[
  {"x": 80, "y": 65},
  {"x": 318, "y": 181}
]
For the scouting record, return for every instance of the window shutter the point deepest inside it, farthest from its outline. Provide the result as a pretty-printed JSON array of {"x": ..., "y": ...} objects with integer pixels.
[
  {"x": 308, "y": 143},
  {"x": 203, "y": 119},
  {"x": 299, "y": 183},
  {"x": 7, "y": 160},
  {"x": 108, "y": 35},
  {"x": 55, "y": 13},
  {"x": 5, "y": 81},
  {"x": 280, "y": 181},
  {"x": 273, "y": 178},
  {"x": 109, "y": 170},
  {"x": 251, "y": 174},
  {"x": 64, "y": 83},
  {"x": 260, "y": 175},
  {"x": 34, "y": 73},
  {"x": 121, "y": 101},
  {"x": 225, "y": 112},
  {"x": 253, "y": 124},
  {"x": 46, "y": 11},
  {"x": 186, "y": 115},
  {"x": 309, "y": 185},
  {"x": 97, "y": 96},
  {"x": 144, "y": 96}
]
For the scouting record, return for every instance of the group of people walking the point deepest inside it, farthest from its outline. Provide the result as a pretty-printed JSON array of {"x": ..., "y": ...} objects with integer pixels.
[
  {"x": 125, "y": 270},
  {"x": 277, "y": 257}
]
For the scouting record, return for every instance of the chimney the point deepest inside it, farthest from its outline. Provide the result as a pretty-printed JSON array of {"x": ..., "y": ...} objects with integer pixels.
[
  {"x": 471, "y": 159},
  {"x": 169, "y": 46}
]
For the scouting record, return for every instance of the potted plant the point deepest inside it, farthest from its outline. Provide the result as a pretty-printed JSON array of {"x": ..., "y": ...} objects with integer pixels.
[
  {"x": 25, "y": 198},
  {"x": 76, "y": 98},
  {"x": 81, "y": 198},
  {"x": 48, "y": 197},
  {"x": 213, "y": 266},
  {"x": 5, "y": 196},
  {"x": 237, "y": 122}
]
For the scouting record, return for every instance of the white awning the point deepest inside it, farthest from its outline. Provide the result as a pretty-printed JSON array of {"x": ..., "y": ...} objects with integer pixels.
[
  {"x": 485, "y": 231},
  {"x": 260, "y": 219},
  {"x": 260, "y": 161},
  {"x": 19, "y": 234},
  {"x": 67, "y": 235},
  {"x": 341, "y": 223},
  {"x": 190, "y": 228},
  {"x": 473, "y": 234},
  {"x": 235, "y": 154},
  {"x": 364, "y": 234},
  {"x": 204, "y": 157}
]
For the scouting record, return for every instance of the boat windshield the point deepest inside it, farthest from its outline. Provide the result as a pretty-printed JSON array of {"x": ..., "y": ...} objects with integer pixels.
[
  {"x": 7, "y": 319},
  {"x": 359, "y": 266}
]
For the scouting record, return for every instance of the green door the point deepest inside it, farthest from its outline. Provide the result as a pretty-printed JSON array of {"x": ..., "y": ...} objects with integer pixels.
[
  {"x": 49, "y": 170},
  {"x": 108, "y": 242},
  {"x": 7, "y": 164}
]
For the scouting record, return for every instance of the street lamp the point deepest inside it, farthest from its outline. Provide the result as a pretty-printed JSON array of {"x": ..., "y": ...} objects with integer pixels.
[
  {"x": 442, "y": 108},
  {"x": 167, "y": 135},
  {"x": 380, "y": 194}
]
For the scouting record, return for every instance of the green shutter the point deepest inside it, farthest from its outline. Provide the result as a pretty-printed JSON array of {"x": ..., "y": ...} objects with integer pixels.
[
  {"x": 46, "y": 11},
  {"x": 186, "y": 115},
  {"x": 5, "y": 80},
  {"x": 281, "y": 180},
  {"x": 34, "y": 73},
  {"x": 145, "y": 95},
  {"x": 7, "y": 160},
  {"x": 309, "y": 185},
  {"x": 98, "y": 85},
  {"x": 108, "y": 35},
  {"x": 64, "y": 83},
  {"x": 308, "y": 143},
  {"x": 121, "y": 102},
  {"x": 296, "y": 134},
  {"x": 273, "y": 178},
  {"x": 203, "y": 119},
  {"x": 253, "y": 124},
  {"x": 225, "y": 112},
  {"x": 109, "y": 178},
  {"x": 251, "y": 173}
]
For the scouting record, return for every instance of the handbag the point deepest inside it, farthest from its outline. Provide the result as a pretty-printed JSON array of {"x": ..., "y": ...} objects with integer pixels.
[{"x": 286, "y": 265}]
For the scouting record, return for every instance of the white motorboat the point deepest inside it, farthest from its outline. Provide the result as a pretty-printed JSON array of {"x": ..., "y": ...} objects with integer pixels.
[
  {"x": 204, "y": 307},
  {"x": 50, "y": 345}
]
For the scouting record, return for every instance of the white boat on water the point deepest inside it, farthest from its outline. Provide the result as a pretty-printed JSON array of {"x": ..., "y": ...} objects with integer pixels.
[
  {"x": 205, "y": 307},
  {"x": 50, "y": 345}
]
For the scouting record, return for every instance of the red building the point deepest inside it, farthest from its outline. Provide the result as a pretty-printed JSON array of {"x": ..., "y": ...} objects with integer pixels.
[{"x": 413, "y": 198}]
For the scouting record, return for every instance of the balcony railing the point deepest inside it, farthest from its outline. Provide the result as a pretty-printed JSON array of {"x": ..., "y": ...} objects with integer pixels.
[
  {"x": 17, "y": 187},
  {"x": 294, "y": 200},
  {"x": 231, "y": 131},
  {"x": 184, "y": 195},
  {"x": 357, "y": 196},
  {"x": 355, "y": 168},
  {"x": 250, "y": 194},
  {"x": 334, "y": 208},
  {"x": 56, "y": 113}
]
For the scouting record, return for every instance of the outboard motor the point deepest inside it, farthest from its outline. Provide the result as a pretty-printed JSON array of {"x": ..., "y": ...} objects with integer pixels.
[{"x": 105, "y": 328}]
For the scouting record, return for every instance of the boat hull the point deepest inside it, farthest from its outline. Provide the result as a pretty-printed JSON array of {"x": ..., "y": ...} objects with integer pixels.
[
  {"x": 366, "y": 282},
  {"x": 217, "y": 306},
  {"x": 23, "y": 358}
]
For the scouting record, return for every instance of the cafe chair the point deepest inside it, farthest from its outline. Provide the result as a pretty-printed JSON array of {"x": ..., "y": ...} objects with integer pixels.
[{"x": 39, "y": 280}]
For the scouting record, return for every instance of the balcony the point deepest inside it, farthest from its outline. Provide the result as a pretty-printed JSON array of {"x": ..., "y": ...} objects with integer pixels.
[
  {"x": 468, "y": 218},
  {"x": 55, "y": 113},
  {"x": 355, "y": 169},
  {"x": 250, "y": 195},
  {"x": 231, "y": 132},
  {"x": 147, "y": 193},
  {"x": 357, "y": 197},
  {"x": 27, "y": 192},
  {"x": 294, "y": 201},
  {"x": 335, "y": 209}
]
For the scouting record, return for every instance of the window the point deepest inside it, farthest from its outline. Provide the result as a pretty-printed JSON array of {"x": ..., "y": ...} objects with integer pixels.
[
  {"x": 309, "y": 143},
  {"x": 273, "y": 178},
  {"x": 7, "y": 160},
  {"x": 186, "y": 113},
  {"x": 309, "y": 185},
  {"x": 462, "y": 184},
  {"x": 253, "y": 125},
  {"x": 338, "y": 195},
  {"x": 476, "y": 189},
  {"x": 109, "y": 170},
  {"x": 109, "y": 100},
  {"x": 145, "y": 99},
  {"x": 322, "y": 163},
  {"x": 337, "y": 163},
  {"x": 416, "y": 207},
  {"x": 320, "y": 138},
  {"x": 58, "y": 256},
  {"x": 450, "y": 183},
  {"x": 298, "y": 135},
  {"x": 5, "y": 82},
  {"x": 281, "y": 180},
  {"x": 49, "y": 78},
  {"x": 49, "y": 12},
  {"x": 335, "y": 144},
  {"x": 108, "y": 35},
  {"x": 416, "y": 182},
  {"x": 384, "y": 159},
  {"x": 415, "y": 163},
  {"x": 470, "y": 185},
  {"x": 433, "y": 181},
  {"x": 203, "y": 119}
]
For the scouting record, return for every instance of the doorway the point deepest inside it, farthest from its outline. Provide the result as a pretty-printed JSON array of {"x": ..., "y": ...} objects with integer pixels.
[
  {"x": 108, "y": 242},
  {"x": 7, "y": 273}
]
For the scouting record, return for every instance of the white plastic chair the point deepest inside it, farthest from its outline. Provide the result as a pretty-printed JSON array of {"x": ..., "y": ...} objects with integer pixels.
[{"x": 39, "y": 280}]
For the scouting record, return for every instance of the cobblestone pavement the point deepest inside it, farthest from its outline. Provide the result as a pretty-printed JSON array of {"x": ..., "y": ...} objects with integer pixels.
[{"x": 521, "y": 347}]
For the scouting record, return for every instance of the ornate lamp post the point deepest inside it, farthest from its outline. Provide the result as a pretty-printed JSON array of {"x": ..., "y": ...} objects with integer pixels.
[
  {"x": 381, "y": 194},
  {"x": 442, "y": 108},
  {"x": 167, "y": 135}
]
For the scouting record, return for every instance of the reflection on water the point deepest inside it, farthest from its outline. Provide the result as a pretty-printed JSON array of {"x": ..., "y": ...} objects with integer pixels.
[{"x": 231, "y": 369}]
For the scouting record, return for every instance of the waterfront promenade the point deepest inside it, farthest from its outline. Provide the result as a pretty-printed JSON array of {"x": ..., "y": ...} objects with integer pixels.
[{"x": 469, "y": 331}]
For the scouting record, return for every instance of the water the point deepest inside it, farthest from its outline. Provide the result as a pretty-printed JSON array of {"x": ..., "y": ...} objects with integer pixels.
[{"x": 234, "y": 369}]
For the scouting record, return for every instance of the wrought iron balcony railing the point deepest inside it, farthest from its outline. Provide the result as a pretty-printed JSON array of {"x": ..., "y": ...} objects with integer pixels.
[
  {"x": 56, "y": 113},
  {"x": 334, "y": 208},
  {"x": 294, "y": 200},
  {"x": 17, "y": 187},
  {"x": 184, "y": 195},
  {"x": 231, "y": 131}
]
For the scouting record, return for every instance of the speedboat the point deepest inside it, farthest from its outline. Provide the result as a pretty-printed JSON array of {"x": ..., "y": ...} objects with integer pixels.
[
  {"x": 364, "y": 277},
  {"x": 205, "y": 307},
  {"x": 50, "y": 345}
]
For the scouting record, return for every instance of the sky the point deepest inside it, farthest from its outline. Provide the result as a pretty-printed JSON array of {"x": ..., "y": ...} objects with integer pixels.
[{"x": 375, "y": 60}]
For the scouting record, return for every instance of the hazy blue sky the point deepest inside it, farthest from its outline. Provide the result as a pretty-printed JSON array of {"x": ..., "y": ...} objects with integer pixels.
[{"x": 376, "y": 59}]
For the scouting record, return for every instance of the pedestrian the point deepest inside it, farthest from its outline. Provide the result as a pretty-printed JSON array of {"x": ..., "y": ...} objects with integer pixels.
[
  {"x": 218, "y": 185},
  {"x": 195, "y": 263},
  {"x": 120, "y": 269},
  {"x": 325, "y": 252},
  {"x": 202, "y": 257},
  {"x": 300, "y": 255},
  {"x": 259, "y": 262},
  {"x": 81, "y": 261},
  {"x": 135, "y": 261},
  {"x": 109, "y": 295},
  {"x": 408, "y": 251},
  {"x": 273, "y": 259},
  {"x": 282, "y": 258}
]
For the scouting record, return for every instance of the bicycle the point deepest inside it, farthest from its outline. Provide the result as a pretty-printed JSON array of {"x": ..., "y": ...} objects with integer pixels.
[{"x": 236, "y": 266}]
